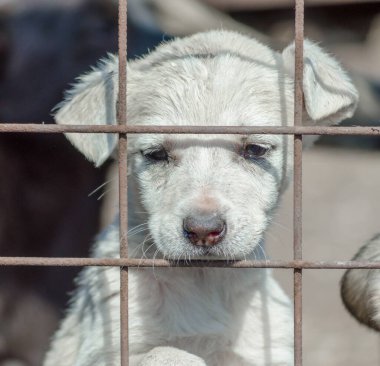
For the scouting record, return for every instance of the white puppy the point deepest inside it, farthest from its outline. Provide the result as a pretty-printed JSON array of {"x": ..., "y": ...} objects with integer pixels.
[
  {"x": 196, "y": 196},
  {"x": 360, "y": 288}
]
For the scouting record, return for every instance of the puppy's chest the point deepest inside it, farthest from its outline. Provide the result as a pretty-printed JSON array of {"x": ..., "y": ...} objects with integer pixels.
[{"x": 166, "y": 307}]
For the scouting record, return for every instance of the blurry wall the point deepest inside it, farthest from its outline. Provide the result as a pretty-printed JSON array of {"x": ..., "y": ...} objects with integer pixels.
[{"x": 44, "y": 185}]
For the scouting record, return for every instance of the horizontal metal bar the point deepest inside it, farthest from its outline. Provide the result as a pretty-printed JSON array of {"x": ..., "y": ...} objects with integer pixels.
[
  {"x": 242, "y": 130},
  {"x": 272, "y": 4},
  {"x": 134, "y": 262}
]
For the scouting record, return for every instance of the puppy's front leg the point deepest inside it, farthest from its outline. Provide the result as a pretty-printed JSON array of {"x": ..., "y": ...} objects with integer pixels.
[{"x": 170, "y": 356}]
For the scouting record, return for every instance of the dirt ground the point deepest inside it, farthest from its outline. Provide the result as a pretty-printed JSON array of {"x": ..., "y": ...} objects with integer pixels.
[{"x": 341, "y": 208}]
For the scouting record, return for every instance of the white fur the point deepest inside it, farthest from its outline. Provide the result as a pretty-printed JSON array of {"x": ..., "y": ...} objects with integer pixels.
[{"x": 223, "y": 316}]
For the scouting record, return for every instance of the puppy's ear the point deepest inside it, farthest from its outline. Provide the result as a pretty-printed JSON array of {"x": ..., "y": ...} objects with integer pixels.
[
  {"x": 329, "y": 94},
  {"x": 92, "y": 101}
]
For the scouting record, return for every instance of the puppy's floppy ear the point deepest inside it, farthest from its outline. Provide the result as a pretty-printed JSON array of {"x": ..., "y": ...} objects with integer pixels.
[
  {"x": 329, "y": 94},
  {"x": 92, "y": 101}
]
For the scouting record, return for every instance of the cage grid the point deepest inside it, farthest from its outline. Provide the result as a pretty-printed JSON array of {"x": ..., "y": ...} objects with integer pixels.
[{"x": 122, "y": 129}]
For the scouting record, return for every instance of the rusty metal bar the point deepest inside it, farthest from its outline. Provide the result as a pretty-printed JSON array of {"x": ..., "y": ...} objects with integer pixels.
[
  {"x": 297, "y": 206},
  {"x": 163, "y": 263},
  {"x": 217, "y": 130},
  {"x": 236, "y": 5},
  {"x": 123, "y": 182}
]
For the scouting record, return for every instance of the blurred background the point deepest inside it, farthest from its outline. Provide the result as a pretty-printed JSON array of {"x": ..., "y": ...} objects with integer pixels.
[{"x": 45, "y": 204}]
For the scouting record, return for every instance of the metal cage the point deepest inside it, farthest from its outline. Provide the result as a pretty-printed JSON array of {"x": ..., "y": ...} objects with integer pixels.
[{"x": 122, "y": 129}]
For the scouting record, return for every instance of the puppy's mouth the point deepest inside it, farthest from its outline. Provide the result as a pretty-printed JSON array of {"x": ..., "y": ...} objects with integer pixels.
[
  {"x": 208, "y": 253},
  {"x": 199, "y": 253},
  {"x": 205, "y": 251},
  {"x": 236, "y": 245}
]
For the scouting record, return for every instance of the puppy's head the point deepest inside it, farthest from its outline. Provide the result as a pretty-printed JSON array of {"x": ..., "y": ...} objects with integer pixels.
[{"x": 209, "y": 194}]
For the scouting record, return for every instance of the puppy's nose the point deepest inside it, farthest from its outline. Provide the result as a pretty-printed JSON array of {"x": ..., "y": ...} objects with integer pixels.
[{"x": 204, "y": 230}]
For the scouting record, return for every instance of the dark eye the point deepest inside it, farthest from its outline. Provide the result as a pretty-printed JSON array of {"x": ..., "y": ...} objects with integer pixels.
[
  {"x": 253, "y": 151},
  {"x": 156, "y": 155}
]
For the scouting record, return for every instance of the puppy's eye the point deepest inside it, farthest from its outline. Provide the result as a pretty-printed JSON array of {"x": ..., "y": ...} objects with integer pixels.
[
  {"x": 157, "y": 155},
  {"x": 252, "y": 151}
]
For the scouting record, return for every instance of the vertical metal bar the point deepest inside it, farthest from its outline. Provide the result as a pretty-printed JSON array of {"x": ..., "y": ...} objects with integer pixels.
[
  {"x": 123, "y": 183},
  {"x": 297, "y": 207}
]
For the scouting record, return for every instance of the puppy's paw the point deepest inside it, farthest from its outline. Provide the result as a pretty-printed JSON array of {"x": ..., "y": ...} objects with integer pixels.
[
  {"x": 170, "y": 356},
  {"x": 360, "y": 288}
]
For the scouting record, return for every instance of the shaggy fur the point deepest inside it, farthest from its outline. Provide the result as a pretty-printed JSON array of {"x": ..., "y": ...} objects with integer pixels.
[
  {"x": 360, "y": 288},
  {"x": 212, "y": 316}
]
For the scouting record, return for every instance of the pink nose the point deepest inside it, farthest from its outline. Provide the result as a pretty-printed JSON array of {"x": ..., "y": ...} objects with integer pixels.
[{"x": 204, "y": 230}]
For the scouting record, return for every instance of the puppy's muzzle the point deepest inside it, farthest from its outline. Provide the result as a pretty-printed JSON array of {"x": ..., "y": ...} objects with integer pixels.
[{"x": 204, "y": 230}]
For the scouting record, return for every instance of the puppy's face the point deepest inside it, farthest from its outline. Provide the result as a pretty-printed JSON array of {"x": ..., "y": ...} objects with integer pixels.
[{"x": 210, "y": 195}]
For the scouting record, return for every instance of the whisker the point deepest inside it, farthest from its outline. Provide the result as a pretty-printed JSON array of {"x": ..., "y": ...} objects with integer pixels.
[
  {"x": 104, "y": 193},
  {"x": 101, "y": 186},
  {"x": 232, "y": 256},
  {"x": 154, "y": 257},
  {"x": 137, "y": 229},
  {"x": 141, "y": 230},
  {"x": 262, "y": 251},
  {"x": 137, "y": 226},
  {"x": 137, "y": 248},
  {"x": 141, "y": 246},
  {"x": 132, "y": 254},
  {"x": 147, "y": 238},
  {"x": 274, "y": 237},
  {"x": 281, "y": 226}
]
